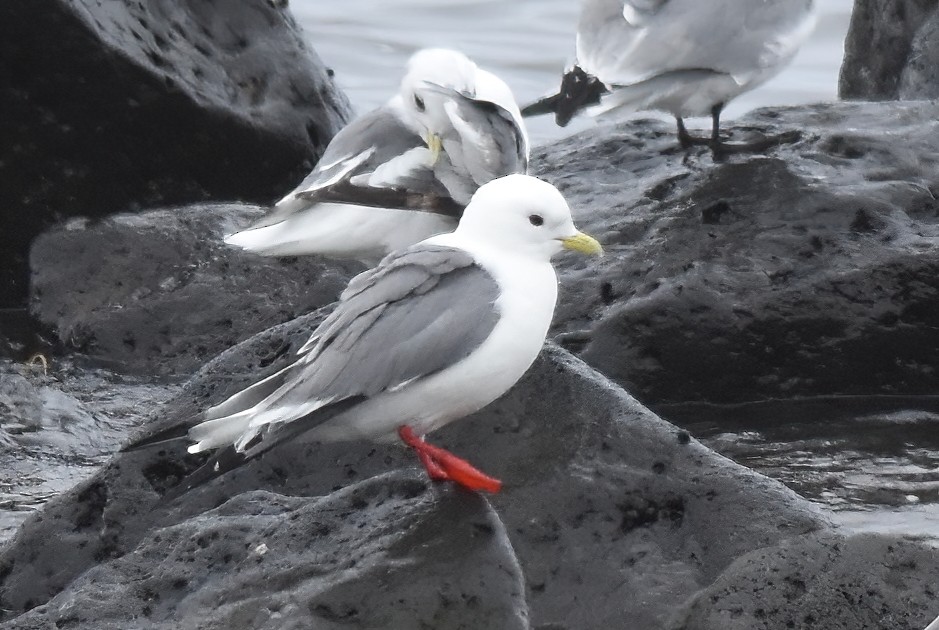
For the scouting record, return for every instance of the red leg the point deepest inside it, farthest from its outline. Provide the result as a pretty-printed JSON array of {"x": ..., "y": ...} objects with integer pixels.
[
  {"x": 441, "y": 464},
  {"x": 434, "y": 471}
]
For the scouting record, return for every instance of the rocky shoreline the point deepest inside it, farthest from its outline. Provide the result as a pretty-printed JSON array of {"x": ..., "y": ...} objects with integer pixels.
[{"x": 807, "y": 272}]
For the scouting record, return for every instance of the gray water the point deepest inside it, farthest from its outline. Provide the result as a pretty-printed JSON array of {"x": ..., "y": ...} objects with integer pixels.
[
  {"x": 58, "y": 428},
  {"x": 876, "y": 469},
  {"x": 526, "y": 42}
]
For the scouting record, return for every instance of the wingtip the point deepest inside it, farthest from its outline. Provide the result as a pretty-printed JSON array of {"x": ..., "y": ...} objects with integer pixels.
[{"x": 546, "y": 105}]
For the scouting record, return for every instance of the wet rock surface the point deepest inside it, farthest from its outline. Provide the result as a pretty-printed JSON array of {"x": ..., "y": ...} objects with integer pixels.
[
  {"x": 59, "y": 423},
  {"x": 159, "y": 293},
  {"x": 116, "y": 106},
  {"x": 808, "y": 271},
  {"x": 891, "y": 51}
]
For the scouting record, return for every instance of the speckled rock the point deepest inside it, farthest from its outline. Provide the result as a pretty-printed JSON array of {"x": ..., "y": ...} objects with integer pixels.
[
  {"x": 812, "y": 270},
  {"x": 160, "y": 293},
  {"x": 883, "y": 583},
  {"x": 116, "y": 106},
  {"x": 891, "y": 51},
  {"x": 383, "y": 553}
]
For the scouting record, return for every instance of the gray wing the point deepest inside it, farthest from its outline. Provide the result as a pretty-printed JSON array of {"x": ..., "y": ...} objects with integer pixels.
[
  {"x": 624, "y": 42},
  {"x": 374, "y": 161},
  {"x": 417, "y": 313},
  {"x": 483, "y": 143}
]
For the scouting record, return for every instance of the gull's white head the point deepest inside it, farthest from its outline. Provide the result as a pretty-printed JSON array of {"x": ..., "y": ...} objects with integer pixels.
[
  {"x": 437, "y": 66},
  {"x": 524, "y": 215}
]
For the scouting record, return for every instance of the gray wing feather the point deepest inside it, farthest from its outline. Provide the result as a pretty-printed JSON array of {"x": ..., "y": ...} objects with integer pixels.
[
  {"x": 417, "y": 313},
  {"x": 354, "y": 154},
  {"x": 380, "y": 130},
  {"x": 679, "y": 35},
  {"x": 499, "y": 147}
]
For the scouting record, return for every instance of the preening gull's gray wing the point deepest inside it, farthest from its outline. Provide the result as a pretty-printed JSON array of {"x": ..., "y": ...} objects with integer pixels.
[
  {"x": 483, "y": 141},
  {"x": 374, "y": 161},
  {"x": 414, "y": 315}
]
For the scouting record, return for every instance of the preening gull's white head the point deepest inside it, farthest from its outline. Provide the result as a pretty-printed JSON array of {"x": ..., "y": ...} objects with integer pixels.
[
  {"x": 432, "y": 334},
  {"x": 436, "y": 66}
]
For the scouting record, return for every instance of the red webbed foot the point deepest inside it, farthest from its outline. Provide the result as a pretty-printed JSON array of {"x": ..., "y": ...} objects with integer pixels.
[{"x": 442, "y": 465}]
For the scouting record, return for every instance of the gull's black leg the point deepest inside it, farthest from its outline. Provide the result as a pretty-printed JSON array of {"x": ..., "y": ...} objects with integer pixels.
[
  {"x": 720, "y": 149},
  {"x": 717, "y": 147},
  {"x": 686, "y": 139}
]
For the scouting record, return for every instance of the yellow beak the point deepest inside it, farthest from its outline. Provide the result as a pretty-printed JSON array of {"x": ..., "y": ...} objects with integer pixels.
[
  {"x": 583, "y": 243},
  {"x": 435, "y": 146}
]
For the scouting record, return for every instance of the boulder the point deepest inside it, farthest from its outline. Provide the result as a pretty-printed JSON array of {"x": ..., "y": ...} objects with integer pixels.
[
  {"x": 117, "y": 106},
  {"x": 891, "y": 51},
  {"x": 382, "y": 553},
  {"x": 160, "y": 293},
  {"x": 615, "y": 517},
  {"x": 812, "y": 270}
]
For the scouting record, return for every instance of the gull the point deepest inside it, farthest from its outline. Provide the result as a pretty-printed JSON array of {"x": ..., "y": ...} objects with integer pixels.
[
  {"x": 404, "y": 171},
  {"x": 435, "y": 332},
  {"x": 682, "y": 57}
]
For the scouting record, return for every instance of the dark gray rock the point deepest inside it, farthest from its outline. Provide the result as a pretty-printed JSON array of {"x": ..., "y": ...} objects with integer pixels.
[
  {"x": 113, "y": 106},
  {"x": 613, "y": 514},
  {"x": 813, "y": 270},
  {"x": 160, "y": 293},
  {"x": 793, "y": 585},
  {"x": 920, "y": 79},
  {"x": 383, "y": 553},
  {"x": 891, "y": 51}
]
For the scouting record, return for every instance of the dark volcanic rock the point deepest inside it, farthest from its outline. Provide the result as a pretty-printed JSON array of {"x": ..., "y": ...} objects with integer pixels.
[
  {"x": 614, "y": 515},
  {"x": 812, "y": 270},
  {"x": 793, "y": 585},
  {"x": 891, "y": 51},
  {"x": 113, "y": 106},
  {"x": 160, "y": 292},
  {"x": 383, "y": 553}
]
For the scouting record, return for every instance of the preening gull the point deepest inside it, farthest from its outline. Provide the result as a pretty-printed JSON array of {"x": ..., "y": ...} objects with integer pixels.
[
  {"x": 433, "y": 333},
  {"x": 404, "y": 171},
  {"x": 683, "y": 57}
]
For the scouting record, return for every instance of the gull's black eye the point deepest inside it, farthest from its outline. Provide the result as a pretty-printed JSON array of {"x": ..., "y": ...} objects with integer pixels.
[
  {"x": 419, "y": 103},
  {"x": 535, "y": 219}
]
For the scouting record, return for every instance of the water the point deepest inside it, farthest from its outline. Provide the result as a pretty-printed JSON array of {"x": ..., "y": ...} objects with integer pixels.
[
  {"x": 58, "y": 428},
  {"x": 874, "y": 463},
  {"x": 872, "y": 460},
  {"x": 526, "y": 42}
]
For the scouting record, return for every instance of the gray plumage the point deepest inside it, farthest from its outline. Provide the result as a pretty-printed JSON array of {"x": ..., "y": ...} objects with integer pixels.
[
  {"x": 484, "y": 141},
  {"x": 417, "y": 313},
  {"x": 343, "y": 173}
]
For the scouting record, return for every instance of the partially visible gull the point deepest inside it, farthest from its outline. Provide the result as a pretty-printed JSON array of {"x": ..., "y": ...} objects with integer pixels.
[
  {"x": 682, "y": 57},
  {"x": 433, "y": 333},
  {"x": 404, "y": 171}
]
